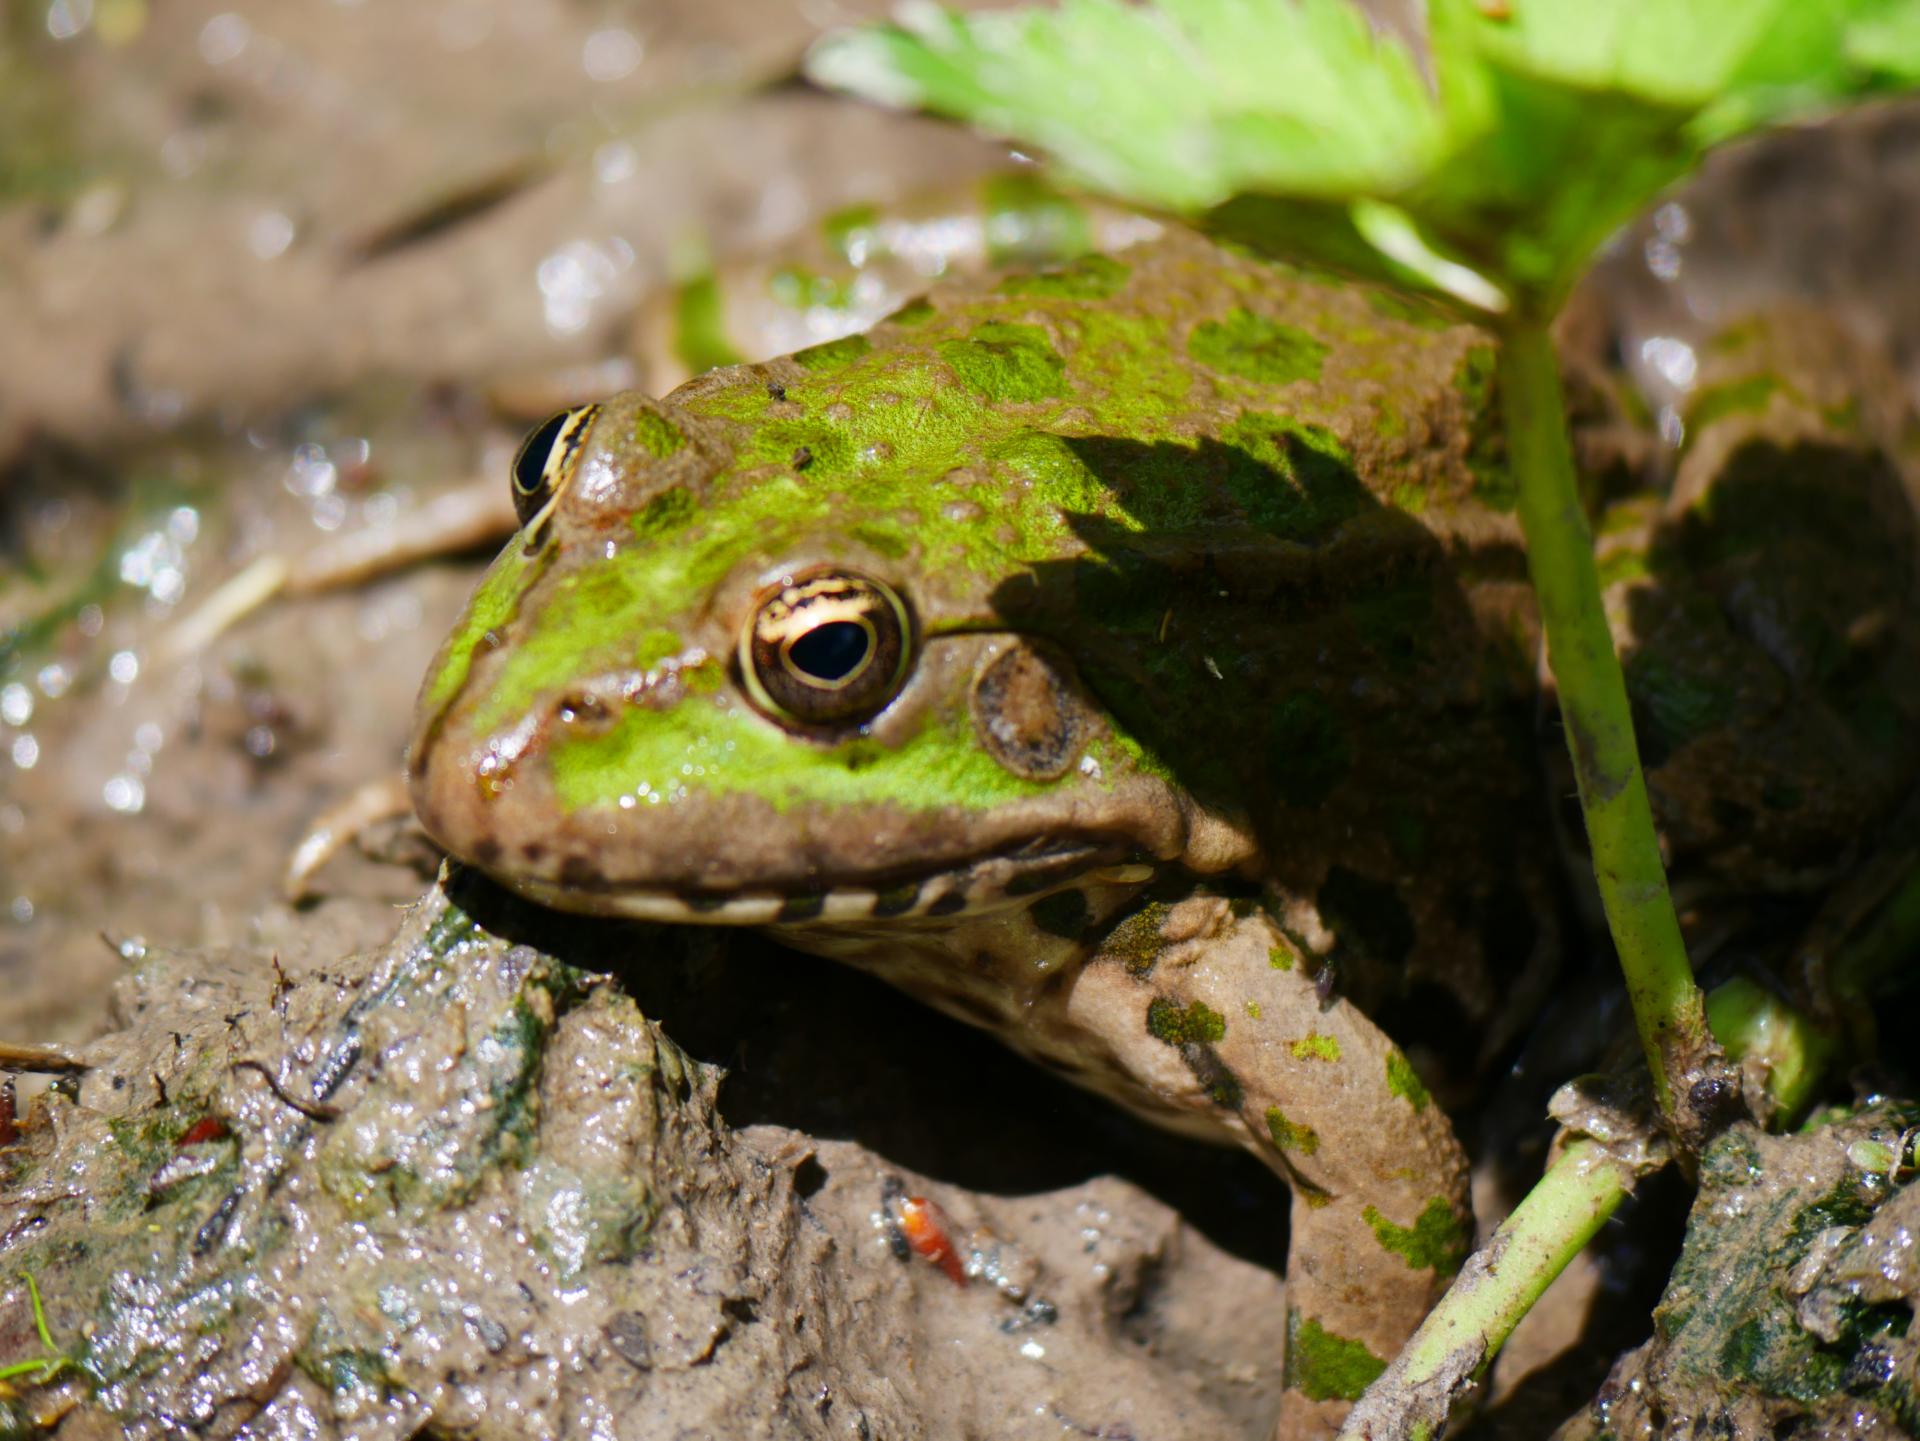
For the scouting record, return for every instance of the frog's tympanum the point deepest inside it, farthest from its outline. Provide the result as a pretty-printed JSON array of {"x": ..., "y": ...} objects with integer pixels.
[{"x": 1135, "y": 659}]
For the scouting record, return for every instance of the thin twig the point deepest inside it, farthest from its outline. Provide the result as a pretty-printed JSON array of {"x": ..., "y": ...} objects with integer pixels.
[{"x": 312, "y": 1110}]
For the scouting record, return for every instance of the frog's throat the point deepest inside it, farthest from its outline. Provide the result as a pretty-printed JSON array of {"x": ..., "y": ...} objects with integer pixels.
[{"x": 996, "y": 883}]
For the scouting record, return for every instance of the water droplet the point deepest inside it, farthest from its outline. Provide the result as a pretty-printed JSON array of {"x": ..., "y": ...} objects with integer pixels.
[
  {"x": 269, "y": 234},
  {"x": 125, "y": 794},
  {"x": 67, "y": 18},
  {"x": 611, "y": 54},
  {"x": 16, "y": 704},
  {"x": 224, "y": 38}
]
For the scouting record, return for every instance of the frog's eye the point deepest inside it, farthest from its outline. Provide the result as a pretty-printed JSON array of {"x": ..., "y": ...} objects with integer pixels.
[
  {"x": 544, "y": 463},
  {"x": 827, "y": 648}
]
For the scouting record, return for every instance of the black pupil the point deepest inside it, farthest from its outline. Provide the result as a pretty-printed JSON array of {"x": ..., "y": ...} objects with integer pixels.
[
  {"x": 831, "y": 652},
  {"x": 529, "y": 467}
]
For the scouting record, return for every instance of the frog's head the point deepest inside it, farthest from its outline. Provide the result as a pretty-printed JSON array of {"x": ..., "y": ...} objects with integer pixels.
[{"x": 711, "y": 681}]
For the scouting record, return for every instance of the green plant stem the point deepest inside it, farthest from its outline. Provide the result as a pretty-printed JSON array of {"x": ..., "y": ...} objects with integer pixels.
[
  {"x": 1498, "y": 1285},
  {"x": 1667, "y": 1005}
]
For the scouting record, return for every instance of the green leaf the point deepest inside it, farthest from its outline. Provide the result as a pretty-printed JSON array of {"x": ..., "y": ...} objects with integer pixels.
[
  {"x": 1291, "y": 126},
  {"x": 1171, "y": 105}
]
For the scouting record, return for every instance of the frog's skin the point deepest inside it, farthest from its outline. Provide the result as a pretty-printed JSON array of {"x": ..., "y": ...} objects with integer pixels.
[{"x": 1207, "y": 736}]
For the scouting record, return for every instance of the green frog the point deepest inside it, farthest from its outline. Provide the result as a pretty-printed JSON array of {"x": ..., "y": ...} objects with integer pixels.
[{"x": 1135, "y": 659}]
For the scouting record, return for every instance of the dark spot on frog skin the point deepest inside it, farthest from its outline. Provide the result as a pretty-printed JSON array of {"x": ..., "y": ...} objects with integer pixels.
[
  {"x": 800, "y": 908},
  {"x": 808, "y": 1177},
  {"x": 897, "y": 900},
  {"x": 580, "y": 872},
  {"x": 1025, "y": 714},
  {"x": 533, "y": 852},
  {"x": 1064, "y": 914},
  {"x": 486, "y": 850}
]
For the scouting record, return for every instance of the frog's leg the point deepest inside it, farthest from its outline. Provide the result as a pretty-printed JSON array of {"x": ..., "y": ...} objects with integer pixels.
[{"x": 1204, "y": 1016}]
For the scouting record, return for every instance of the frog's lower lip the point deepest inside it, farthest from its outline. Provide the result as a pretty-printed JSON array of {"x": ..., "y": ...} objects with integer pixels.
[{"x": 993, "y": 884}]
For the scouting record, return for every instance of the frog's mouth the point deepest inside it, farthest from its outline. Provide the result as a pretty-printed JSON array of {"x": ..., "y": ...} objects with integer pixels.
[{"x": 994, "y": 882}]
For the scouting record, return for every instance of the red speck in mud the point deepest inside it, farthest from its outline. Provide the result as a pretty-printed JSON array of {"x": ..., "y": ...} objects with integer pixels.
[
  {"x": 925, "y": 1228},
  {"x": 207, "y": 1128}
]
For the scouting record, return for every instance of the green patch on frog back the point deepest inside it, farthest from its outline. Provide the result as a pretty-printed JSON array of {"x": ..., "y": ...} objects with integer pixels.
[
  {"x": 1308, "y": 752},
  {"x": 1289, "y": 1136},
  {"x": 1179, "y": 1026},
  {"x": 663, "y": 514},
  {"x": 708, "y": 744},
  {"x": 1300, "y": 483},
  {"x": 1091, "y": 277},
  {"x": 1325, "y": 1366},
  {"x": 1404, "y": 1082},
  {"x": 571, "y": 636},
  {"x": 1255, "y": 347},
  {"x": 655, "y": 434},
  {"x": 1436, "y": 1241},
  {"x": 833, "y": 354},
  {"x": 1136, "y": 940},
  {"x": 1315, "y": 1047},
  {"x": 1057, "y": 475},
  {"x": 654, "y": 646},
  {"x": 1007, "y": 362},
  {"x": 494, "y": 603}
]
